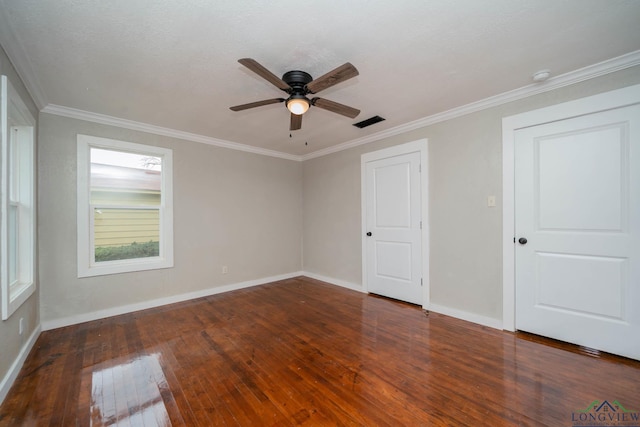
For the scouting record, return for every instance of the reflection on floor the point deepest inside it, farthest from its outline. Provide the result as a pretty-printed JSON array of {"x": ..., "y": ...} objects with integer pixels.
[{"x": 128, "y": 392}]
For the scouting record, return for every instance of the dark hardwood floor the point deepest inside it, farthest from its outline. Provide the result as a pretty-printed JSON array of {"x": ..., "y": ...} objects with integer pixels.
[{"x": 301, "y": 352}]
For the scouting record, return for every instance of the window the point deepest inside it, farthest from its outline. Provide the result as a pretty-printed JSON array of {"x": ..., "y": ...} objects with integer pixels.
[
  {"x": 125, "y": 209},
  {"x": 17, "y": 228}
]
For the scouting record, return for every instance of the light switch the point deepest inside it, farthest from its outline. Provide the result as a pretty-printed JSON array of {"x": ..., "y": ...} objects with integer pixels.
[{"x": 491, "y": 201}]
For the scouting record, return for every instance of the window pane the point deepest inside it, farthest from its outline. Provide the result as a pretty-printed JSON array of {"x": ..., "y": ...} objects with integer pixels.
[
  {"x": 125, "y": 179},
  {"x": 126, "y": 233},
  {"x": 128, "y": 180},
  {"x": 13, "y": 244},
  {"x": 14, "y": 165}
]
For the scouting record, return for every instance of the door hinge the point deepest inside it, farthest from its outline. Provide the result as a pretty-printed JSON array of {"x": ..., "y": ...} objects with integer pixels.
[
  {"x": 420, "y": 168},
  {"x": 514, "y": 240},
  {"x": 421, "y": 281}
]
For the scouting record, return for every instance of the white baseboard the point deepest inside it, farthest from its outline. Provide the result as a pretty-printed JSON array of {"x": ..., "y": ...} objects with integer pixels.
[
  {"x": 332, "y": 281},
  {"x": 465, "y": 315},
  {"x": 458, "y": 314},
  {"x": 101, "y": 314},
  {"x": 14, "y": 370}
]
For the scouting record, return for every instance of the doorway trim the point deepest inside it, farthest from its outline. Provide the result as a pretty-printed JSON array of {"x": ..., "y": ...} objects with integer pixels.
[
  {"x": 579, "y": 107},
  {"x": 420, "y": 146}
]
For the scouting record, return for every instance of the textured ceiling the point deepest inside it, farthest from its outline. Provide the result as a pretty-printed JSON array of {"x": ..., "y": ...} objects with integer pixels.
[{"x": 174, "y": 64}]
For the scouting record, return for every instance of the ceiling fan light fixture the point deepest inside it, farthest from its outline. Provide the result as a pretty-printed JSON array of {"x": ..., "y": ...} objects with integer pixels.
[{"x": 298, "y": 104}]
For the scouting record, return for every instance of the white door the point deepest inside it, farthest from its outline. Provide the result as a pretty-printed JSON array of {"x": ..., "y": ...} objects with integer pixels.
[
  {"x": 577, "y": 204},
  {"x": 393, "y": 221}
]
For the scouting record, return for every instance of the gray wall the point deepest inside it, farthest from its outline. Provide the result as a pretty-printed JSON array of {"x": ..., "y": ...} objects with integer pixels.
[
  {"x": 11, "y": 341},
  {"x": 230, "y": 208},
  {"x": 465, "y": 166}
]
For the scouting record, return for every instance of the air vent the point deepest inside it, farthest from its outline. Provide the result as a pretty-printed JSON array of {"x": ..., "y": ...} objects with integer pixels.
[{"x": 372, "y": 121}]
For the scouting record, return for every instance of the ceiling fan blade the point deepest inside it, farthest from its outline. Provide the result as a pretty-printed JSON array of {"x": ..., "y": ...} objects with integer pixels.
[
  {"x": 296, "y": 121},
  {"x": 335, "y": 107},
  {"x": 254, "y": 66},
  {"x": 256, "y": 104},
  {"x": 340, "y": 74}
]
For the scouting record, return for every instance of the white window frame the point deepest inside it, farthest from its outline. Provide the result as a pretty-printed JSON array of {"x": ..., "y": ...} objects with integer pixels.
[
  {"x": 87, "y": 267},
  {"x": 17, "y": 189}
]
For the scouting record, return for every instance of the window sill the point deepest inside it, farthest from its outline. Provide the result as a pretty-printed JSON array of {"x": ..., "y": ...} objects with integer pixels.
[
  {"x": 124, "y": 266},
  {"x": 19, "y": 294}
]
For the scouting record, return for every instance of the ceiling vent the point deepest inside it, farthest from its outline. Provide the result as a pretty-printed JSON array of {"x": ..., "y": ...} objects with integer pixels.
[{"x": 372, "y": 121}]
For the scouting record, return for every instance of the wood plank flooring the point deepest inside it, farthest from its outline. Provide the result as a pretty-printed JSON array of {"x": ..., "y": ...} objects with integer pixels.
[{"x": 302, "y": 352}]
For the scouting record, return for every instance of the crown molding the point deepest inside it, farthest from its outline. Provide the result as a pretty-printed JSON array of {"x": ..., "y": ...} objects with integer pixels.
[
  {"x": 602, "y": 68},
  {"x": 605, "y": 67},
  {"x": 17, "y": 55},
  {"x": 74, "y": 113}
]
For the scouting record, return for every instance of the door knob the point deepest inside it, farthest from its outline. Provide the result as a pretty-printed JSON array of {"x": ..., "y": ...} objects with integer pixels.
[
  {"x": 369, "y": 233},
  {"x": 522, "y": 241}
]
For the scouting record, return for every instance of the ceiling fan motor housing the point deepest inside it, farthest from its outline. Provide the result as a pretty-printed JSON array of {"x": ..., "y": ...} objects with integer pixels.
[{"x": 297, "y": 80}]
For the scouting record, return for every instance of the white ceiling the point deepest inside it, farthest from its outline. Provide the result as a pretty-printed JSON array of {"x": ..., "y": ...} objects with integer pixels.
[{"x": 174, "y": 64}]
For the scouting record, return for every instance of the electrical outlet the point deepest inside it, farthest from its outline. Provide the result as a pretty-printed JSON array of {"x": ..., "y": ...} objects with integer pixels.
[
  {"x": 225, "y": 270},
  {"x": 491, "y": 201},
  {"x": 21, "y": 326}
]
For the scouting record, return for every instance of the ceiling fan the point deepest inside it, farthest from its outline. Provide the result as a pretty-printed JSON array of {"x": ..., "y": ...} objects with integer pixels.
[{"x": 299, "y": 84}]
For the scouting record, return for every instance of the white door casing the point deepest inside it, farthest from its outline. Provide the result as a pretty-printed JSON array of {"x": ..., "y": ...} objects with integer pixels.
[
  {"x": 393, "y": 202},
  {"x": 577, "y": 278}
]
